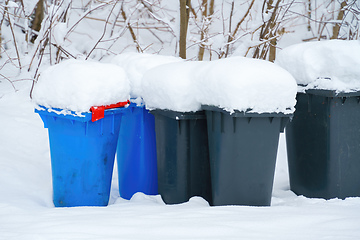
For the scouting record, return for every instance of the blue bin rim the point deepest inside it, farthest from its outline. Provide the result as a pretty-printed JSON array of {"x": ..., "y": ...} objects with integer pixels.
[
  {"x": 135, "y": 105},
  {"x": 237, "y": 113},
  {"x": 72, "y": 115}
]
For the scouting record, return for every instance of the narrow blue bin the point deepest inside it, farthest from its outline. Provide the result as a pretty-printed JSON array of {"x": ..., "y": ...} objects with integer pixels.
[
  {"x": 136, "y": 153},
  {"x": 82, "y": 156}
]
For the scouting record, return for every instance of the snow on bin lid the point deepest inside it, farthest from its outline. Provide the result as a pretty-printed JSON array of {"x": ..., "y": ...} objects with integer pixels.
[
  {"x": 232, "y": 84},
  {"x": 171, "y": 87},
  {"x": 136, "y": 64},
  {"x": 248, "y": 85},
  {"x": 78, "y": 85},
  {"x": 329, "y": 65}
]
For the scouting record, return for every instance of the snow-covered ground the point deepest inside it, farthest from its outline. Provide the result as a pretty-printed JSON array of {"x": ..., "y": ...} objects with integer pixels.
[
  {"x": 26, "y": 208},
  {"x": 27, "y": 211}
]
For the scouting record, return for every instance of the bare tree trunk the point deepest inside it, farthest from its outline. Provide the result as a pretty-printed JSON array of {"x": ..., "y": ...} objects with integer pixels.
[
  {"x": 184, "y": 20},
  {"x": 211, "y": 7},
  {"x": 272, "y": 51},
  {"x": 204, "y": 8},
  {"x": 336, "y": 28},
  {"x": 309, "y": 16},
  {"x": 39, "y": 16},
  {"x": 230, "y": 23},
  {"x": 268, "y": 30}
]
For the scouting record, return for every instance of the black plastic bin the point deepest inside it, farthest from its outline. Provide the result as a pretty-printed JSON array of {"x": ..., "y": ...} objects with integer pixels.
[
  {"x": 182, "y": 156},
  {"x": 323, "y": 144},
  {"x": 243, "y": 149}
]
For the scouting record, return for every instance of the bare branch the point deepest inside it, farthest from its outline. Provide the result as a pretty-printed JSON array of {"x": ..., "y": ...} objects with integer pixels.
[
  {"x": 14, "y": 38},
  {"x": 242, "y": 20},
  {"x": 336, "y": 28},
  {"x": 203, "y": 30},
  {"x": 82, "y": 17},
  {"x": 184, "y": 21},
  {"x": 103, "y": 34},
  {"x": 132, "y": 33},
  {"x": 12, "y": 84},
  {"x": 230, "y": 22}
]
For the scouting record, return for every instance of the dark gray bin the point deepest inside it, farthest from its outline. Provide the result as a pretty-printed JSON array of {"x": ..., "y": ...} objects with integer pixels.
[
  {"x": 323, "y": 144},
  {"x": 182, "y": 156},
  {"x": 243, "y": 149}
]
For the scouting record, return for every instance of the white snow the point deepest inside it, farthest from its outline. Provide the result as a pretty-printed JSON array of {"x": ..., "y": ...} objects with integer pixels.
[
  {"x": 172, "y": 86},
  {"x": 136, "y": 64},
  {"x": 77, "y": 85},
  {"x": 26, "y": 208},
  {"x": 27, "y": 212},
  {"x": 235, "y": 83},
  {"x": 166, "y": 82},
  {"x": 247, "y": 84},
  {"x": 11, "y": 4},
  {"x": 331, "y": 65},
  {"x": 29, "y": 6},
  {"x": 59, "y": 32}
]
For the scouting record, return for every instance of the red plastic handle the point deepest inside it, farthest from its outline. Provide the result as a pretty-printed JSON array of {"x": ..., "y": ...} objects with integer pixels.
[{"x": 99, "y": 112}]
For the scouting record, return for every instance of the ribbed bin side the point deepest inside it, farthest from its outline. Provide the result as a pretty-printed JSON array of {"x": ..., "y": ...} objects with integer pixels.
[
  {"x": 323, "y": 143},
  {"x": 242, "y": 157},
  {"x": 136, "y": 153},
  {"x": 82, "y": 158},
  {"x": 183, "y": 156}
]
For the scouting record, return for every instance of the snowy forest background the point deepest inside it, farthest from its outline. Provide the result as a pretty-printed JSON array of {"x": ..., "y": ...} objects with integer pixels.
[{"x": 35, "y": 33}]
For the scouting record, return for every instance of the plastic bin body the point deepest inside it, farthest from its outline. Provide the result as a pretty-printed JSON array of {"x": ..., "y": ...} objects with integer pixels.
[
  {"x": 243, "y": 149},
  {"x": 182, "y": 156},
  {"x": 82, "y": 157},
  {"x": 136, "y": 153},
  {"x": 323, "y": 143}
]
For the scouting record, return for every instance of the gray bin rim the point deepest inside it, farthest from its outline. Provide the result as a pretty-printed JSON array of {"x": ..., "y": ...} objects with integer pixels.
[
  {"x": 237, "y": 113},
  {"x": 331, "y": 93},
  {"x": 179, "y": 115}
]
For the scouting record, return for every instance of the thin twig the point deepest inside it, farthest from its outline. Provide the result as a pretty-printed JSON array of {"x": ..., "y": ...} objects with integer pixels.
[
  {"x": 12, "y": 84},
  {"x": 132, "y": 33},
  {"x": 103, "y": 34},
  {"x": 15, "y": 43},
  {"x": 230, "y": 22},
  {"x": 242, "y": 20},
  {"x": 67, "y": 53},
  {"x": 81, "y": 18}
]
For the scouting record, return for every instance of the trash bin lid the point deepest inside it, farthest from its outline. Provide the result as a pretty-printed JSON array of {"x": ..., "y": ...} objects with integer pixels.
[
  {"x": 237, "y": 113},
  {"x": 98, "y": 112},
  {"x": 179, "y": 115},
  {"x": 332, "y": 93}
]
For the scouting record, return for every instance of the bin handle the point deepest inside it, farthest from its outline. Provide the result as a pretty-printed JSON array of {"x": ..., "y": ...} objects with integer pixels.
[{"x": 98, "y": 113}]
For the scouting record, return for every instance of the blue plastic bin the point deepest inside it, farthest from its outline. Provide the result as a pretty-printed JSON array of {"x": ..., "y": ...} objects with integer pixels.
[
  {"x": 136, "y": 153},
  {"x": 82, "y": 156}
]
